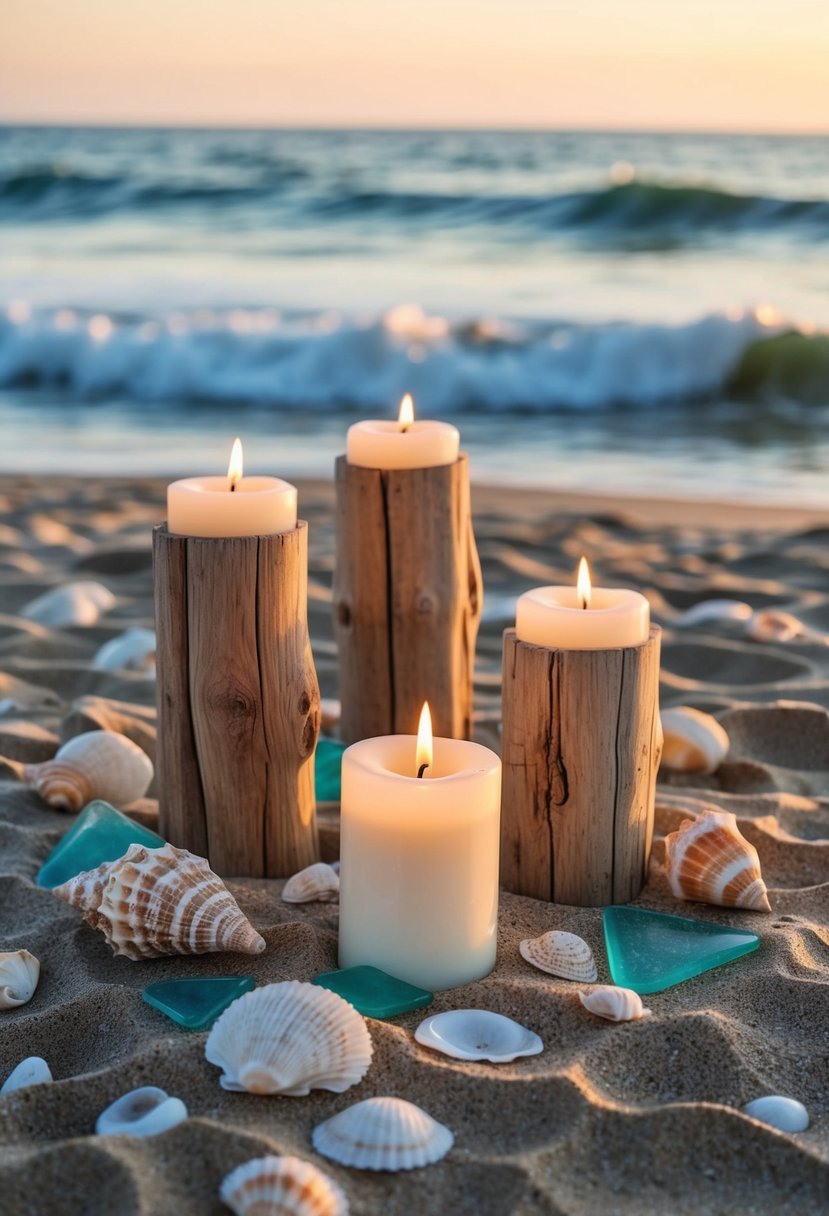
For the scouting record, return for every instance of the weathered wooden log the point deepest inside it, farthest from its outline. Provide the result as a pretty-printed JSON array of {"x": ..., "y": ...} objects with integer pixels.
[
  {"x": 407, "y": 599},
  {"x": 581, "y": 747},
  {"x": 238, "y": 701}
]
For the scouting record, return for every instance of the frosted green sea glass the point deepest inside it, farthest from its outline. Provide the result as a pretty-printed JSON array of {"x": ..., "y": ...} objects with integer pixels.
[
  {"x": 649, "y": 951},
  {"x": 100, "y": 833},
  {"x": 196, "y": 1003},
  {"x": 374, "y": 993},
  {"x": 328, "y": 762}
]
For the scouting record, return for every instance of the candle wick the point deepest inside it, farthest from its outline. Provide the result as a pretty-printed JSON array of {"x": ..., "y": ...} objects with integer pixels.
[
  {"x": 422, "y": 769},
  {"x": 232, "y": 487}
]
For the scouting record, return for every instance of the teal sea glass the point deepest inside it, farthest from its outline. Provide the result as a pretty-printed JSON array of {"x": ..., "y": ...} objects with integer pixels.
[
  {"x": 374, "y": 993},
  {"x": 649, "y": 951},
  {"x": 196, "y": 1003},
  {"x": 99, "y": 834},
  {"x": 328, "y": 762}
]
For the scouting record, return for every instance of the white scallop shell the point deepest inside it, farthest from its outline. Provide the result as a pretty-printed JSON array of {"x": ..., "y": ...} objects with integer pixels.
[
  {"x": 19, "y": 973},
  {"x": 770, "y": 625},
  {"x": 786, "y": 1114},
  {"x": 75, "y": 604},
  {"x": 32, "y": 1071},
  {"x": 290, "y": 1038},
  {"x": 614, "y": 1004},
  {"x": 96, "y": 764},
  {"x": 713, "y": 611},
  {"x": 383, "y": 1134},
  {"x": 693, "y": 741},
  {"x": 282, "y": 1186},
  {"x": 142, "y": 1112},
  {"x": 564, "y": 954},
  {"x": 316, "y": 883},
  {"x": 478, "y": 1034},
  {"x": 134, "y": 650}
]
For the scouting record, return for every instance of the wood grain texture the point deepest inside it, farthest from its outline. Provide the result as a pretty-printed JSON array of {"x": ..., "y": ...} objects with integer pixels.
[
  {"x": 238, "y": 701},
  {"x": 581, "y": 749},
  {"x": 407, "y": 599}
]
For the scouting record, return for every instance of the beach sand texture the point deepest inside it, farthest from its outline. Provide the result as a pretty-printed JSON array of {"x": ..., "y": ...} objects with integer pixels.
[{"x": 632, "y": 1119}]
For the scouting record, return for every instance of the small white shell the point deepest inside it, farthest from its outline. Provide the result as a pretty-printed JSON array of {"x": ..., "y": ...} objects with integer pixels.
[
  {"x": 141, "y": 1112},
  {"x": 32, "y": 1071},
  {"x": 134, "y": 650},
  {"x": 614, "y": 1004},
  {"x": 75, "y": 604},
  {"x": 713, "y": 611},
  {"x": 786, "y": 1114},
  {"x": 564, "y": 954},
  {"x": 19, "y": 973},
  {"x": 282, "y": 1186},
  {"x": 769, "y": 625},
  {"x": 383, "y": 1134},
  {"x": 316, "y": 883},
  {"x": 478, "y": 1034},
  {"x": 96, "y": 764},
  {"x": 693, "y": 742},
  {"x": 290, "y": 1038}
]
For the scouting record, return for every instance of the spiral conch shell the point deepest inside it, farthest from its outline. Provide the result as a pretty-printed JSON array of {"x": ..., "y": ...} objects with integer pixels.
[
  {"x": 383, "y": 1134},
  {"x": 558, "y": 953},
  {"x": 693, "y": 742},
  {"x": 97, "y": 764},
  {"x": 316, "y": 883},
  {"x": 153, "y": 902},
  {"x": 614, "y": 1004},
  {"x": 290, "y": 1038},
  {"x": 19, "y": 974},
  {"x": 282, "y": 1186},
  {"x": 708, "y": 860}
]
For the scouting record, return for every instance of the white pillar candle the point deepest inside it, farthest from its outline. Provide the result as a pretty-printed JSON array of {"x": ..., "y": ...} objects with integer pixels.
[
  {"x": 582, "y": 617},
  {"x": 405, "y": 444},
  {"x": 419, "y": 872},
  {"x": 232, "y": 505}
]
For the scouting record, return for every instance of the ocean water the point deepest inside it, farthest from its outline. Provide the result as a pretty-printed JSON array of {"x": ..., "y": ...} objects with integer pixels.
[{"x": 619, "y": 312}]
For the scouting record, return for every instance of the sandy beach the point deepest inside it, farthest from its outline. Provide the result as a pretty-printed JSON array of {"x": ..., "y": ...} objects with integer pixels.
[{"x": 638, "y": 1119}]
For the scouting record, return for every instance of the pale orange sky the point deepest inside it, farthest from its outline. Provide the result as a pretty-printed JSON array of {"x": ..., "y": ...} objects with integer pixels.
[{"x": 699, "y": 64}]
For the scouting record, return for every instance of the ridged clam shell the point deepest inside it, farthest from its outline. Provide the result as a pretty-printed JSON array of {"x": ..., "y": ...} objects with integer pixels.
[
  {"x": 134, "y": 650},
  {"x": 478, "y": 1034},
  {"x": 290, "y": 1038},
  {"x": 772, "y": 626},
  {"x": 316, "y": 883},
  {"x": 614, "y": 1004},
  {"x": 32, "y": 1071},
  {"x": 693, "y": 742},
  {"x": 19, "y": 973},
  {"x": 161, "y": 901},
  {"x": 142, "y": 1112},
  {"x": 558, "y": 953},
  {"x": 708, "y": 860},
  {"x": 711, "y": 612},
  {"x": 282, "y": 1186},
  {"x": 383, "y": 1134},
  {"x": 75, "y": 604},
  {"x": 96, "y": 764}
]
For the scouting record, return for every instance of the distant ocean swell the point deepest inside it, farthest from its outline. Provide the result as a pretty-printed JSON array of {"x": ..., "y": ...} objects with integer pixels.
[{"x": 327, "y": 361}]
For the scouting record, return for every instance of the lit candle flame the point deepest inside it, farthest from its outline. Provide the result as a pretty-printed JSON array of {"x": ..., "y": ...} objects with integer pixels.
[
  {"x": 406, "y": 416},
  {"x": 583, "y": 586},
  {"x": 234, "y": 468},
  {"x": 423, "y": 757}
]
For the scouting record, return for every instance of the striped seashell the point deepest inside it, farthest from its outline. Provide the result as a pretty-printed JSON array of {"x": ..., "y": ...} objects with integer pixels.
[
  {"x": 693, "y": 741},
  {"x": 563, "y": 954},
  {"x": 81, "y": 603},
  {"x": 708, "y": 860},
  {"x": 383, "y": 1134},
  {"x": 614, "y": 1004},
  {"x": 19, "y": 974},
  {"x": 282, "y": 1186},
  {"x": 96, "y": 764},
  {"x": 316, "y": 883},
  {"x": 153, "y": 902}
]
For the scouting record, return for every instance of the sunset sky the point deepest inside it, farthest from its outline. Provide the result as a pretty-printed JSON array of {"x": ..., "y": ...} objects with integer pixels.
[{"x": 698, "y": 64}]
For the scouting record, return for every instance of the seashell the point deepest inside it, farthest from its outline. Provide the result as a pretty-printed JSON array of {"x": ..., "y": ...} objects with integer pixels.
[
  {"x": 290, "y": 1038},
  {"x": 772, "y": 626},
  {"x": 693, "y": 742},
  {"x": 96, "y": 764},
  {"x": 32, "y": 1071},
  {"x": 141, "y": 1112},
  {"x": 786, "y": 1114},
  {"x": 134, "y": 650},
  {"x": 75, "y": 604},
  {"x": 316, "y": 883},
  {"x": 383, "y": 1134},
  {"x": 282, "y": 1186},
  {"x": 330, "y": 713},
  {"x": 708, "y": 860},
  {"x": 19, "y": 973},
  {"x": 161, "y": 901},
  {"x": 562, "y": 954},
  {"x": 478, "y": 1034},
  {"x": 614, "y": 1004},
  {"x": 712, "y": 612}
]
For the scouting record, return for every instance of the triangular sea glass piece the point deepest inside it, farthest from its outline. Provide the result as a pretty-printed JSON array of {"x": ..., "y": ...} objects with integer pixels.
[
  {"x": 374, "y": 993},
  {"x": 328, "y": 760},
  {"x": 649, "y": 951},
  {"x": 196, "y": 1003},
  {"x": 100, "y": 833}
]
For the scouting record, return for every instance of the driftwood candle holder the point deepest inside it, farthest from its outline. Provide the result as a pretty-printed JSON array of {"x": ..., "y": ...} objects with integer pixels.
[
  {"x": 407, "y": 599},
  {"x": 581, "y": 748},
  {"x": 238, "y": 701}
]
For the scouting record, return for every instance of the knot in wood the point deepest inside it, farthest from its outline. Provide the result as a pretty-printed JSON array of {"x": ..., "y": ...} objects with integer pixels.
[
  {"x": 309, "y": 734},
  {"x": 343, "y": 613},
  {"x": 304, "y": 703},
  {"x": 426, "y": 602}
]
